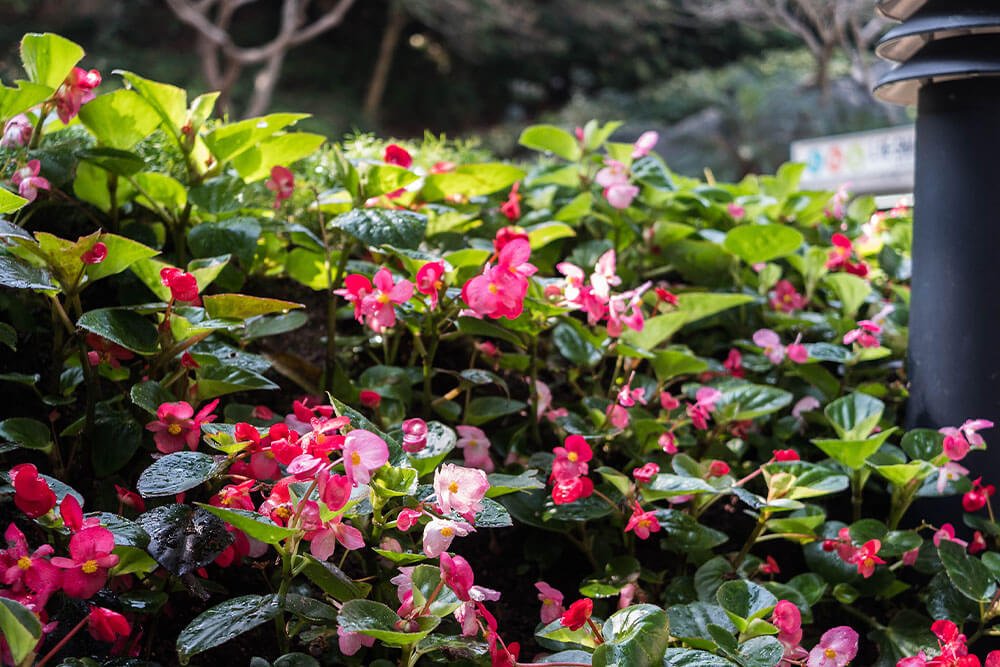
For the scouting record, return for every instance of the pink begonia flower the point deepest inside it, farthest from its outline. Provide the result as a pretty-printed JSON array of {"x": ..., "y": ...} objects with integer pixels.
[
  {"x": 363, "y": 452},
  {"x": 397, "y": 155},
  {"x": 475, "y": 447},
  {"x": 866, "y": 335},
  {"x": 770, "y": 342},
  {"x": 949, "y": 472},
  {"x": 571, "y": 459},
  {"x": 786, "y": 298},
  {"x": 350, "y": 643},
  {"x": 552, "y": 602},
  {"x": 734, "y": 363},
  {"x": 183, "y": 286},
  {"x": 613, "y": 173},
  {"x": 627, "y": 397},
  {"x": 457, "y": 575},
  {"x": 71, "y": 514},
  {"x": 439, "y": 533},
  {"x": 429, "y": 281},
  {"x": 21, "y": 567},
  {"x": 644, "y": 144},
  {"x": 86, "y": 570},
  {"x": 460, "y": 489},
  {"x": 698, "y": 414},
  {"x": 707, "y": 397},
  {"x": 618, "y": 416},
  {"x": 866, "y": 559},
  {"x": 75, "y": 91},
  {"x": 379, "y": 306},
  {"x": 32, "y": 493},
  {"x": 804, "y": 405},
  {"x": 624, "y": 311},
  {"x": 946, "y": 533},
  {"x": 646, "y": 473},
  {"x": 642, "y": 523},
  {"x": 797, "y": 352},
  {"x": 356, "y": 288},
  {"x": 17, "y": 132},
  {"x": 499, "y": 290},
  {"x": 105, "y": 625},
  {"x": 836, "y": 648},
  {"x": 605, "y": 275},
  {"x": 177, "y": 427},
  {"x": 910, "y": 557},
  {"x": 97, "y": 254},
  {"x": 511, "y": 209},
  {"x": 620, "y": 196},
  {"x": 323, "y": 541},
  {"x": 668, "y": 442},
  {"x": 788, "y": 619},
  {"x": 28, "y": 181},
  {"x": 281, "y": 183},
  {"x": 407, "y": 518},
  {"x": 668, "y": 401},
  {"x": 414, "y": 435}
]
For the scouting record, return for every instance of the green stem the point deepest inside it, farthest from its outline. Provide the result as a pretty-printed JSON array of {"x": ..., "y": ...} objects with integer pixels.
[
  {"x": 279, "y": 620},
  {"x": 429, "y": 370},
  {"x": 331, "y": 309},
  {"x": 857, "y": 486},
  {"x": 757, "y": 530},
  {"x": 536, "y": 433}
]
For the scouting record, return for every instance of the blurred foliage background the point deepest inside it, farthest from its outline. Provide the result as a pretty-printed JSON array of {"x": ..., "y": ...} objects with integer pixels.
[{"x": 726, "y": 88}]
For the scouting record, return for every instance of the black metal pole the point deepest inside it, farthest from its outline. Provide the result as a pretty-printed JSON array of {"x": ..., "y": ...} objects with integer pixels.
[{"x": 954, "y": 363}]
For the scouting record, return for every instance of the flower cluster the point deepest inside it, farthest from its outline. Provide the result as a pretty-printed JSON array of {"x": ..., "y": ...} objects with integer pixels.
[
  {"x": 594, "y": 295},
  {"x": 569, "y": 471}
]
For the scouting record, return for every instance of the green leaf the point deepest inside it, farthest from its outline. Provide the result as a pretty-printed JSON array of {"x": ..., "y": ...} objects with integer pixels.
[
  {"x": 471, "y": 180},
  {"x": 684, "y": 534},
  {"x": 379, "y": 621},
  {"x": 475, "y": 327},
  {"x": 691, "y": 308},
  {"x": 379, "y": 226},
  {"x": 169, "y": 102},
  {"x": 487, "y": 408},
  {"x": 8, "y": 336},
  {"x": 178, "y": 472},
  {"x": 501, "y": 484},
  {"x": 242, "y": 306},
  {"x": 426, "y": 580},
  {"x": 223, "y": 622},
  {"x": 116, "y": 162},
  {"x": 689, "y": 622},
  {"x": 853, "y": 453},
  {"x": 551, "y": 139},
  {"x": 967, "y": 573},
  {"x": 18, "y": 274},
  {"x": 22, "y": 97},
  {"x": 755, "y": 244},
  {"x": 120, "y": 436},
  {"x": 741, "y": 401},
  {"x": 122, "y": 253},
  {"x": 332, "y": 580},
  {"x": 906, "y": 635},
  {"x": 745, "y": 599},
  {"x": 160, "y": 191},
  {"x": 383, "y": 178},
  {"x": 183, "y": 538},
  {"x": 761, "y": 652},
  {"x": 221, "y": 380},
  {"x": 577, "y": 344},
  {"x": 924, "y": 444},
  {"x": 635, "y": 636},
  {"x": 667, "y": 485},
  {"x": 21, "y": 628},
  {"x": 580, "y": 206},
  {"x": 682, "y": 657},
  {"x": 310, "y": 268},
  {"x": 809, "y": 480},
  {"x": 229, "y": 140},
  {"x": 119, "y": 119},
  {"x": 901, "y": 474},
  {"x": 285, "y": 149},
  {"x": 851, "y": 290},
  {"x": 544, "y": 233},
  {"x": 236, "y": 236},
  {"x": 393, "y": 482},
  {"x": 25, "y": 432},
  {"x": 124, "y": 327},
  {"x": 48, "y": 59},
  {"x": 668, "y": 364},
  {"x": 854, "y": 416},
  {"x": 149, "y": 395},
  {"x": 255, "y": 525}
]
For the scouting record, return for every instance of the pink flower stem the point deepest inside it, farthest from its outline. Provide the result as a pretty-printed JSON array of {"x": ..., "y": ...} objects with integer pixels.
[
  {"x": 432, "y": 597},
  {"x": 62, "y": 642}
]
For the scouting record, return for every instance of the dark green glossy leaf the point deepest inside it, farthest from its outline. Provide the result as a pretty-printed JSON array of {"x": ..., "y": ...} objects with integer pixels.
[
  {"x": 178, "y": 472},
  {"x": 225, "y": 621},
  {"x": 124, "y": 327},
  {"x": 375, "y": 227},
  {"x": 183, "y": 538}
]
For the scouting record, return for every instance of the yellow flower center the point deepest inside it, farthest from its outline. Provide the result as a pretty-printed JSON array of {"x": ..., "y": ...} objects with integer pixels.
[
  {"x": 226, "y": 500},
  {"x": 573, "y": 456},
  {"x": 453, "y": 487},
  {"x": 283, "y": 512},
  {"x": 89, "y": 567},
  {"x": 645, "y": 523},
  {"x": 174, "y": 429},
  {"x": 355, "y": 458},
  {"x": 492, "y": 288},
  {"x": 24, "y": 563},
  {"x": 447, "y": 531},
  {"x": 548, "y": 601},
  {"x": 830, "y": 653},
  {"x": 383, "y": 298}
]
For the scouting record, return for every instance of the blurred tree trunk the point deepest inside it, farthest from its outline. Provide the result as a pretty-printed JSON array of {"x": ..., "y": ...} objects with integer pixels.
[
  {"x": 395, "y": 22},
  {"x": 223, "y": 61}
]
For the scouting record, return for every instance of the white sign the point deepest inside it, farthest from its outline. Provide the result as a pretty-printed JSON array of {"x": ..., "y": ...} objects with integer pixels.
[{"x": 881, "y": 161}]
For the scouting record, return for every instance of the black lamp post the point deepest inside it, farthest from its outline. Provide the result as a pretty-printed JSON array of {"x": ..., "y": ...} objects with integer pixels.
[{"x": 949, "y": 55}]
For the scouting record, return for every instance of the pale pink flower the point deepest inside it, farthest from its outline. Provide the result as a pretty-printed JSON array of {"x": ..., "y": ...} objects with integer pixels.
[
  {"x": 414, "y": 435},
  {"x": 281, "y": 183},
  {"x": 351, "y": 642},
  {"x": 439, "y": 533},
  {"x": 475, "y": 447},
  {"x": 949, "y": 472},
  {"x": 430, "y": 281},
  {"x": 946, "y": 533},
  {"x": 363, "y": 452},
  {"x": 75, "y": 91},
  {"x": 804, "y": 405},
  {"x": 668, "y": 442},
  {"x": 605, "y": 275},
  {"x": 836, "y": 648},
  {"x": 17, "y": 132},
  {"x": 866, "y": 335},
  {"x": 460, "y": 489},
  {"x": 618, "y": 416},
  {"x": 770, "y": 342},
  {"x": 28, "y": 181},
  {"x": 707, "y": 397},
  {"x": 627, "y": 397},
  {"x": 621, "y": 196},
  {"x": 552, "y": 602},
  {"x": 644, "y": 144},
  {"x": 379, "y": 306}
]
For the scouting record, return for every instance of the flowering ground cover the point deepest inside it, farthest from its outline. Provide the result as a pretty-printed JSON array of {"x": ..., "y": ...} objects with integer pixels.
[{"x": 274, "y": 400}]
